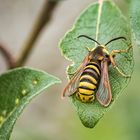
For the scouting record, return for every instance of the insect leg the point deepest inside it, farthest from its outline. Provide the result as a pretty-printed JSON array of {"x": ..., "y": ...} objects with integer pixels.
[
  {"x": 116, "y": 67},
  {"x": 88, "y": 49},
  {"x": 121, "y": 51},
  {"x": 113, "y": 53},
  {"x": 124, "y": 75}
]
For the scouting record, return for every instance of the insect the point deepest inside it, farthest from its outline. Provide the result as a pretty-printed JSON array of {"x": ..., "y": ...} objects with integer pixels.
[{"x": 91, "y": 79}]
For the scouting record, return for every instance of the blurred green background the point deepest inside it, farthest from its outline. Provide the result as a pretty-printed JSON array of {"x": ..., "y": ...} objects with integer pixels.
[{"x": 48, "y": 117}]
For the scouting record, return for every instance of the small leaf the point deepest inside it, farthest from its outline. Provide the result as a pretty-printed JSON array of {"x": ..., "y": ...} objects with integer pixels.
[
  {"x": 17, "y": 88},
  {"x": 134, "y": 11},
  {"x": 101, "y": 22}
]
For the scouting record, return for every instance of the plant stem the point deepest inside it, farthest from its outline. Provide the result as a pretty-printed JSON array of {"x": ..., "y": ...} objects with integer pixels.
[
  {"x": 100, "y": 1},
  {"x": 42, "y": 20},
  {"x": 8, "y": 56}
]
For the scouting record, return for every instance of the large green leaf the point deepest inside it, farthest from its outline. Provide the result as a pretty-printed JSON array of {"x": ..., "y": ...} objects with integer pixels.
[
  {"x": 134, "y": 13},
  {"x": 17, "y": 88},
  {"x": 102, "y": 22}
]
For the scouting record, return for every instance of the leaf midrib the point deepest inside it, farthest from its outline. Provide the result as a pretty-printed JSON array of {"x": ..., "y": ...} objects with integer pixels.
[{"x": 98, "y": 19}]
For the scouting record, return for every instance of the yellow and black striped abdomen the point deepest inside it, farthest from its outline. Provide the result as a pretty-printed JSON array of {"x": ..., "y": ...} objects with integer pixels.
[{"x": 89, "y": 82}]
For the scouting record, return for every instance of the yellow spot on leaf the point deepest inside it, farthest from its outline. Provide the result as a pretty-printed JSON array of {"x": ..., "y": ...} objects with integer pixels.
[
  {"x": 24, "y": 92},
  {"x": 34, "y": 82},
  {"x": 1, "y": 119},
  {"x": 17, "y": 101}
]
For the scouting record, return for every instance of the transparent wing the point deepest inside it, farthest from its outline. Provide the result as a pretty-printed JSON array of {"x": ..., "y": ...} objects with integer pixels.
[
  {"x": 71, "y": 87},
  {"x": 103, "y": 94}
]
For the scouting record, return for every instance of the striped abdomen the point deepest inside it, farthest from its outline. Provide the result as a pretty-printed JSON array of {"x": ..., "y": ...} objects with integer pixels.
[{"x": 89, "y": 82}]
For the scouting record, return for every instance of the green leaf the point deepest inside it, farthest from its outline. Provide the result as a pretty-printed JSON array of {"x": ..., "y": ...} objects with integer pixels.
[
  {"x": 134, "y": 11},
  {"x": 17, "y": 88},
  {"x": 101, "y": 22}
]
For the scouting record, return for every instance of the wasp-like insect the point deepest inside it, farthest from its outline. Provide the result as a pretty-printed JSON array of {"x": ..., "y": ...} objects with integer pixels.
[{"x": 91, "y": 78}]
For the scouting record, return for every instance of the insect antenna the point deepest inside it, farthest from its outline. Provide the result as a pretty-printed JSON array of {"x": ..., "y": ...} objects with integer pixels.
[
  {"x": 89, "y": 38},
  {"x": 121, "y": 37}
]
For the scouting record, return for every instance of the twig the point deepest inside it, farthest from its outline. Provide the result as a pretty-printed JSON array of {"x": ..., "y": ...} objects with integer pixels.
[
  {"x": 8, "y": 56},
  {"x": 42, "y": 20}
]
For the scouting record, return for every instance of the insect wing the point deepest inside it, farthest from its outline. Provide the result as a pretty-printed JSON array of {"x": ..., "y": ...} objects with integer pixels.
[
  {"x": 73, "y": 83},
  {"x": 103, "y": 93}
]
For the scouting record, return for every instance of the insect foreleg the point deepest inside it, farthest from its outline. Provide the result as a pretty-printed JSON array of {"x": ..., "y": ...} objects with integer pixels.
[{"x": 114, "y": 52}]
